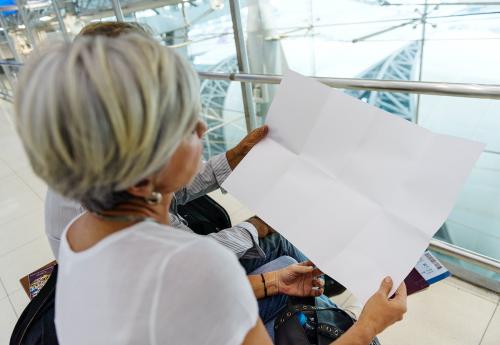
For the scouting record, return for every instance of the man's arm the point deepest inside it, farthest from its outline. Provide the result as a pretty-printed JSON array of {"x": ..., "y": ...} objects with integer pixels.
[
  {"x": 215, "y": 171},
  {"x": 212, "y": 174},
  {"x": 242, "y": 239}
]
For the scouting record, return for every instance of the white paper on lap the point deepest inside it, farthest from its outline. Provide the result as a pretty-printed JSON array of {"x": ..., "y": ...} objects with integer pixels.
[{"x": 358, "y": 190}]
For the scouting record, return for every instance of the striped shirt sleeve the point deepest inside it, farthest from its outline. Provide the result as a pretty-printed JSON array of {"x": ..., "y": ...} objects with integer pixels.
[
  {"x": 209, "y": 178},
  {"x": 242, "y": 239}
]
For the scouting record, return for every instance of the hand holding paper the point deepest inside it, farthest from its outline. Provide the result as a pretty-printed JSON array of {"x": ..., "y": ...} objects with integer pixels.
[{"x": 359, "y": 191}]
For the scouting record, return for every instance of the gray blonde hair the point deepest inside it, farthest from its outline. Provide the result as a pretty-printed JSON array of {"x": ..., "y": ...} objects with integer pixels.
[{"x": 100, "y": 114}]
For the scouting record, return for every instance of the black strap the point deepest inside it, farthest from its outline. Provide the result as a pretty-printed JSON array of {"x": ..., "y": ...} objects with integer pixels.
[
  {"x": 304, "y": 308},
  {"x": 36, "y": 323}
]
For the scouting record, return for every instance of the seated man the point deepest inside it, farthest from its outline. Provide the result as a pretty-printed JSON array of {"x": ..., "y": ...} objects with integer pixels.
[{"x": 249, "y": 240}]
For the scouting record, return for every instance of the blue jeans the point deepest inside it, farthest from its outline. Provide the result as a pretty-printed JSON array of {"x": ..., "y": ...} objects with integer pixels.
[
  {"x": 275, "y": 246},
  {"x": 270, "y": 307}
]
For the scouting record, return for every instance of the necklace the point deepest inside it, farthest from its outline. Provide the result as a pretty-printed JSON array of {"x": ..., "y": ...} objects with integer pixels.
[{"x": 124, "y": 218}]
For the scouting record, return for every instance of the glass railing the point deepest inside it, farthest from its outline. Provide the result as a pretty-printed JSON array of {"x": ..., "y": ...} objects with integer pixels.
[{"x": 405, "y": 59}]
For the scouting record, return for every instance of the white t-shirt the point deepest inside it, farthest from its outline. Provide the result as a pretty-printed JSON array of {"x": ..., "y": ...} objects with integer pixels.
[{"x": 152, "y": 284}]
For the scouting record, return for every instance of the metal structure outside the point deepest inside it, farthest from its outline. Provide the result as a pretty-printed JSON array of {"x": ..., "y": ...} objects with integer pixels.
[
  {"x": 399, "y": 66},
  {"x": 370, "y": 85},
  {"x": 213, "y": 95}
]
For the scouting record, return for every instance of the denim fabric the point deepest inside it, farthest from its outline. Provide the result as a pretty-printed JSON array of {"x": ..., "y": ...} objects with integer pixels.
[{"x": 269, "y": 307}]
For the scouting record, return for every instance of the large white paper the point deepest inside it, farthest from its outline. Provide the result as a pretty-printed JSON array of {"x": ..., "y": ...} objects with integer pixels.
[{"x": 358, "y": 190}]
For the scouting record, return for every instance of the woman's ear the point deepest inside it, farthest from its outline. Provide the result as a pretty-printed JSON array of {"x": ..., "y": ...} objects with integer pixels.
[{"x": 142, "y": 189}]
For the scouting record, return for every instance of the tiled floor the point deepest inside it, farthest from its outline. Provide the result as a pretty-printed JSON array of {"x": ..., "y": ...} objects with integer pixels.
[{"x": 450, "y": 312}]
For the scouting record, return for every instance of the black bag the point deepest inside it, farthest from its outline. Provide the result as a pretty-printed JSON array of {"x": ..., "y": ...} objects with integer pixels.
[
  {"x": 204, "y": 215},
  {"x": 36, "y": 323},
  {"x": 309, "y": 320}
]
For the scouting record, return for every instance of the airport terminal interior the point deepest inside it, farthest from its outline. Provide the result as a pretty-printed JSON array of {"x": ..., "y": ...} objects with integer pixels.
[{"x": 446, "y": 54}]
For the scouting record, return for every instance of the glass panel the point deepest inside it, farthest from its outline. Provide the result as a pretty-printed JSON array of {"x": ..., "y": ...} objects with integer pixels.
[
  {"x": 202, "y": 32},
  {"x": 474, "y": 223},
  {"x": 372, "y": 40}
]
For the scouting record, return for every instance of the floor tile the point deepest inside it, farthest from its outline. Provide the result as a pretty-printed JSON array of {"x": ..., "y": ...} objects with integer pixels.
[
  {"x": 3, "y": 293},
  {"x": 6, "y": 123},
  {"x": 352, "y": 304},
  {"x": 6, "y": 128},
  {"x": 18, "y": 232},
  {"x": 229, "y": 202},
  {"x": 441, "y": 315},
  {"x": 475, "y": 290},
  {"x": 16, "y": 199},
  {"x": 19, "y": 299},
  {"x": 241, "y": 215},
  {"x": 5, "y": 170},
  {"x": 12, "y": 152},
  {"x": 342, "y": 298},
  {"x": 22, "y": 261},
  {"x": 33, "y": 181},
  {"x": 492, "y": 334},
  {"x": 7, "y": 320}
]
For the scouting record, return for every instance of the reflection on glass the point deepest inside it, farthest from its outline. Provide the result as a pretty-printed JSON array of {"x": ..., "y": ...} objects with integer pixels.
[{"x": 202, "y": 32}]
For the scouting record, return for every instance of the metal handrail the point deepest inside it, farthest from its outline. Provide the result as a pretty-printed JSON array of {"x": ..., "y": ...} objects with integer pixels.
[
  {"x": 465, "y": 255},
  {"x": 10, "y": 63},
  {"x": 429, "y": 88}
]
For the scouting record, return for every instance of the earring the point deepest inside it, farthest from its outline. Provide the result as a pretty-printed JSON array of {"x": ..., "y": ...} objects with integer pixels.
[{"x": 154, "y": 199}]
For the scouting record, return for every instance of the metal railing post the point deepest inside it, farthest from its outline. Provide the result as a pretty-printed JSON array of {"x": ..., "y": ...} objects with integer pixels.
[
  {"x": 55, "y": 6},
  {"x": 242, "y": 55},
  {"x": 10, "y": 42},
  {"x": 117, "y": 9},
  {"x": 27, "y": 25}
]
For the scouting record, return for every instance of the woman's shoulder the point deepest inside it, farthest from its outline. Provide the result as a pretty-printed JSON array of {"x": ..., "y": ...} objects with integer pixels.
[{"x": 178, "y": 241}]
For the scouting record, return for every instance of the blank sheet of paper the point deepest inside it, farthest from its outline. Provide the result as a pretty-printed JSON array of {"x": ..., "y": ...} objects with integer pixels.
[{"x": 358, "y": 190}]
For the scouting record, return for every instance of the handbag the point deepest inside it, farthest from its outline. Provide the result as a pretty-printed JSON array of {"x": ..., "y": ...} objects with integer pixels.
[
  {"x": 36, "y": 325},
  {"x": 204, "y": 215},
  {"x": 309, "y": 320}
]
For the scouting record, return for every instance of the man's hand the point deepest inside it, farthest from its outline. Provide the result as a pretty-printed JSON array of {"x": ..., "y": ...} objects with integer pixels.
[
  {"x": 300, "y": 280},
  {"x": 236, "y": 154},
  {"x": 262, "y": 228}
]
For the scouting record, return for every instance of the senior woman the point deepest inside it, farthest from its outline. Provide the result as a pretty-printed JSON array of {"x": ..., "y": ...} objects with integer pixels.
[{"x": 112, "y": 124}]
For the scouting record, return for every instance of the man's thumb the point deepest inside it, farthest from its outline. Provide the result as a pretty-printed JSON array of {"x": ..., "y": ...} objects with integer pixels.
[
  {"x": 260, "y": 132},
  {"x": 386, "y": 286}
]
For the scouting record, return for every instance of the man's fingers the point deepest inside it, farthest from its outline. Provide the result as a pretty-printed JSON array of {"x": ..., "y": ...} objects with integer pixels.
[
  {"x": 386, "y": 286},
  {"x": 318, "y": 282},
  {"x": 259, "y": 133},
  {"x": 306, "y": 263},
  {"x": 316, "y": 271},
  {"x": 317, "y": 292},
  {"x": 298, "y": 268}
]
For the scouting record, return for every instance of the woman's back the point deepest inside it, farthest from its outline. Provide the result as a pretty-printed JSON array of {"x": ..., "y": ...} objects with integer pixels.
[{"x": 152, "y": 284}]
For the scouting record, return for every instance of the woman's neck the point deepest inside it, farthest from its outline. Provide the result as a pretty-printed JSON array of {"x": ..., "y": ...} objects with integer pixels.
[{"x": 91, "y": 228}]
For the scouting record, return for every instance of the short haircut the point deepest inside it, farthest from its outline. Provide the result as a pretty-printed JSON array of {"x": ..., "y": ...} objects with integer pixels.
[
  {"x": 100, "y": 114},
  {"x": 114, "y": 29}
]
